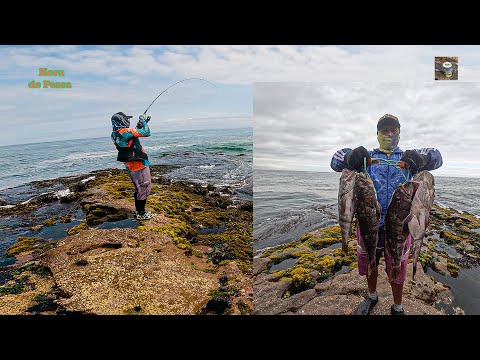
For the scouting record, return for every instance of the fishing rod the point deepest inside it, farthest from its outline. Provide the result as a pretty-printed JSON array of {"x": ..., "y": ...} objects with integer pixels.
[{"x": 178, "y": 82}]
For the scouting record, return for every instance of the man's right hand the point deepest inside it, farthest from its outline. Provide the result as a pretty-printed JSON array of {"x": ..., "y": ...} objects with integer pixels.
[{"x": 355, "y": 158}]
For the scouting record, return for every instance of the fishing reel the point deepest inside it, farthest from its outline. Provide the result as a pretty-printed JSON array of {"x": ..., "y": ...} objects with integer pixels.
[{"x": 142, "y": 117}]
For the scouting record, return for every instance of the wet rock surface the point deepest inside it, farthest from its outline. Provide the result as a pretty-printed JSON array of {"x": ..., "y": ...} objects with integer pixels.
[
  {"x": 114, "y": 271},
  {"x": 159, "y": 266},
  {"x": 452, "y": 243}
]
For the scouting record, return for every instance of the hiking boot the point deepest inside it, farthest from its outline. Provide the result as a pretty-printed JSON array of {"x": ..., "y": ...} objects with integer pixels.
[
  {"x": 145, "y": 216},
  {"x": 396, "y": 312},
  {"x": 135, "y": 213},
  {"x": 365, "y": 306}
]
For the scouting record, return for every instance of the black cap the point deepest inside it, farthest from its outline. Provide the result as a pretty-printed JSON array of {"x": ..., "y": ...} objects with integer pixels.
[
  {"x": 388, "y": 120},
  {"x": 125, "y": 116}
]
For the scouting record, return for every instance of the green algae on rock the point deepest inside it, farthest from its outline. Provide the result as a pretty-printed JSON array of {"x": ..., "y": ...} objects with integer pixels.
[
  {"x": 100, "y": 213},
  {"x": 50, "y": 222},
  {"x": 184, "y": 211},
  {"x": 324, "y": 237},
  {"x": 453, "y": 268},
  {"x": 316, "y": 265},
  {"x": 23, "y": 244},
  {"x": 452, "y": 242},
  {"x": 76, "y": 229},
  {"x": 191, "y": 209}
]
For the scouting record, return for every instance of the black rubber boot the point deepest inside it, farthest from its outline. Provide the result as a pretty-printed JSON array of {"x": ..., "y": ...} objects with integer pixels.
[
  {"x": 365, "y": 306},
  {"x": 140, "y": 206}
]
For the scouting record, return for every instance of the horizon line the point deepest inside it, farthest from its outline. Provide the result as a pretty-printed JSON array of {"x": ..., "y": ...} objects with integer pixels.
[
  {"x": 102, "y": 137},
  {"x": 338, "y": 172}
]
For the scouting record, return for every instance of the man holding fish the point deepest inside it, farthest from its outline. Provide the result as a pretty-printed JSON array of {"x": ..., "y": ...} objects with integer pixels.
[{"x": 390, "y": 192}]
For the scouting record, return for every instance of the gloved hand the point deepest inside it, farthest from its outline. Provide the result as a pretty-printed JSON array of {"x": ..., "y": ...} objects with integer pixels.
[
  {"x": 355, "y": 158},
  {"x": 141, "y": 119},
  {"x": 414, "y": 161}
]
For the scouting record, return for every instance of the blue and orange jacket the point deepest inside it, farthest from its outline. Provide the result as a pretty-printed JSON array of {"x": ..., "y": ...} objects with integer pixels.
[
  {"x": 387, "y": 178},
  {"x": 130, "y": 137}
]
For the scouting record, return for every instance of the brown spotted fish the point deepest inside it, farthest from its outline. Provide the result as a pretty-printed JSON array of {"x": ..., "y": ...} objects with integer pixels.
[
  {"x": 346, "y": 205},
  {"x": 396, "y": 223},
  {"x": 420, "y": 211},
  {"x": 367, "y": 211}
]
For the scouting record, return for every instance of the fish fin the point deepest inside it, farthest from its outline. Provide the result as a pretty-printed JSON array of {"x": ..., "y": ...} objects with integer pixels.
[
  {"x": 406, "y": 221},
  {"x": 416, "y": 186},
  {"x": 408, "y": 218}
]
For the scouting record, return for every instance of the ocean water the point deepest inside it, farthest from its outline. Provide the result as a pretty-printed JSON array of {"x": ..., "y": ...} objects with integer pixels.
[
  {"x": 218, "y": 157},
  {"x": 286, "y": 204},
  {"x": 222, "y": 157}
]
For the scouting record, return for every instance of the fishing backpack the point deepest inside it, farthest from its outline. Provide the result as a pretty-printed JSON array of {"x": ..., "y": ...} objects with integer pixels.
[{"x": 128, "y": 153}]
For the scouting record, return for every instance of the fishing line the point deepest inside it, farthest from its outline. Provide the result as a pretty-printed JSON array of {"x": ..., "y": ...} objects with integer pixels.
[
  {"x": 178, "y": 82},
  {"x": 393, "y": 163}
]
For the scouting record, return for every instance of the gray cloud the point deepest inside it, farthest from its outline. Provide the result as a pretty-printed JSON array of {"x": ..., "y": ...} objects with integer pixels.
[
  {"x": 299, "y": 126},
  {"x": 105, "y": 77}
]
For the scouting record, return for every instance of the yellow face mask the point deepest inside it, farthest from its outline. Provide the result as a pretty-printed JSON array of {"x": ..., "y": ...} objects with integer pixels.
[{"x": 388, "y": 142}]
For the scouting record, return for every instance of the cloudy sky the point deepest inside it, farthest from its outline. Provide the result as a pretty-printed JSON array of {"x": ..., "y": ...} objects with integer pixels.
[
  {"x": 107, "y": 79},
  {"x": 299, "y": 126}
]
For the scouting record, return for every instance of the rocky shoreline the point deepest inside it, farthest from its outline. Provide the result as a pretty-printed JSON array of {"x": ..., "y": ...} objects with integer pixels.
[
  {"x": 193, "y": 257},
  {"x": 312, "y": 276}
]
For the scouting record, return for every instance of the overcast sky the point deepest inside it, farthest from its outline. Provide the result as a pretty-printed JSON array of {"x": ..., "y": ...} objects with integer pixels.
[
  {"x": 299, "y": 126},
  {"x": 107, "y": 79}
]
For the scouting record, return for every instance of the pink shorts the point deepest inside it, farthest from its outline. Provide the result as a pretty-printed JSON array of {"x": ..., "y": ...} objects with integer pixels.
[{"x": 362, "y": 257}]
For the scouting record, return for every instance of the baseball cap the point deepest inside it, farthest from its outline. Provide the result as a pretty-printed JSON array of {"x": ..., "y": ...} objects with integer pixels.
[{"x": 388, "y": 120}]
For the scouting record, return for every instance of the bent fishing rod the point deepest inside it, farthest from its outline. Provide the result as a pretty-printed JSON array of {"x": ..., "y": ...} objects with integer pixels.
[{"x": 178, "y": 82}]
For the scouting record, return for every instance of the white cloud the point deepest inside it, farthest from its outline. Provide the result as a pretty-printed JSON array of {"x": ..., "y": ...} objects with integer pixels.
[
  {"x": 299, "y": 126},
  {"x": 106, "y": 77}
]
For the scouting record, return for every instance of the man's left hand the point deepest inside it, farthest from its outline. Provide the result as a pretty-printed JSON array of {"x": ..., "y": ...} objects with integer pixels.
[{"x": 414, "y": 161}]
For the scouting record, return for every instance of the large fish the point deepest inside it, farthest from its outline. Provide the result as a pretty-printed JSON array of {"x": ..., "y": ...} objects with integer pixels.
[
  {"x": 346, "y": 205},
  {"x": 396, "y": 222},
  {"x": 367, "y": 210},
  {"x": 420, "y": 211}
]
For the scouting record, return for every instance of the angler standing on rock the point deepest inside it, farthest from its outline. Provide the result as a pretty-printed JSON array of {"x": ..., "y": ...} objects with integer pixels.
[
  {"x": 132, "y": 153},
  {"x": 386, "y": 178}
]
